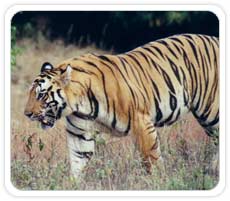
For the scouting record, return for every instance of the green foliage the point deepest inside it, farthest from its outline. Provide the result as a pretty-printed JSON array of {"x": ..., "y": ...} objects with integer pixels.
[
  {"x": 41, "y": 145},
  {"x": 174, "y": 17},
  {"x": 15, "y": 50},
  {"x": 100, "y": 140},
  {"x": 28, "y": 30}
]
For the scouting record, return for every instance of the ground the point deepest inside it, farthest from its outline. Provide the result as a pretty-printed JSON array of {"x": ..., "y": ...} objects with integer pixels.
[{"x": 39, "y": 159}]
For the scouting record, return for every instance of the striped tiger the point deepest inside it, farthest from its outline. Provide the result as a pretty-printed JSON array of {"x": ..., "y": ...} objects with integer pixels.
[{"x": 130, "y": 93}]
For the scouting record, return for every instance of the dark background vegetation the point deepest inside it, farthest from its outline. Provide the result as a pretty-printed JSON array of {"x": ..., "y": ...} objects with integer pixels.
[{"x": 116, "y": 30}]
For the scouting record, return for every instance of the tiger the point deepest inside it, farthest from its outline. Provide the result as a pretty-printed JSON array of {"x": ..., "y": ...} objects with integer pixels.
[{"x": 131, "y": 93}]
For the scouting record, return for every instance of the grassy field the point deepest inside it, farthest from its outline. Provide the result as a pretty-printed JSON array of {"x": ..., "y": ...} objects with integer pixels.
[{"x": 39, "y": 159}]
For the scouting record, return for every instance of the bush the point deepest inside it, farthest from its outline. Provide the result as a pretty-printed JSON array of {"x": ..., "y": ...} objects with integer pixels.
[{"x": 15, "y": 50}]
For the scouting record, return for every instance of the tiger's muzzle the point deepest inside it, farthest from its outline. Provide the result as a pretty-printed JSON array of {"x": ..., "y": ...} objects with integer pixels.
[{"x": 46, "y": 121}]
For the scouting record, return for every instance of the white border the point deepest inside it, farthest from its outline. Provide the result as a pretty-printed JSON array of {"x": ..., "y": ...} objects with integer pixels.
[{"x": 212, "y": 8}]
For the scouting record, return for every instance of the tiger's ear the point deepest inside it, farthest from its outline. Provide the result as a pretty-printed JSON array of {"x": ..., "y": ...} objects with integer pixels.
[
  {"x": 66, "y": 75},
  {"x": 46, "y": 67}
]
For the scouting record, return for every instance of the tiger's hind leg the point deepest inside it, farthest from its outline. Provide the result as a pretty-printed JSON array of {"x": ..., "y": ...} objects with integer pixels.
[
  {"x": 148, "y": 142},
  {"x": 206, "y": 109},
  {"x": 210, "y": 123}
]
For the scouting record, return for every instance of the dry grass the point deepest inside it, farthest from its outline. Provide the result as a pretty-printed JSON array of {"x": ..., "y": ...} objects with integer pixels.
[{"x": 39, "y": 159}]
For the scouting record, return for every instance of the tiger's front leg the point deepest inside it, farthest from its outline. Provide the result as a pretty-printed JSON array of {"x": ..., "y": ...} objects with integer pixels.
[{"x": 80, "y": 141}]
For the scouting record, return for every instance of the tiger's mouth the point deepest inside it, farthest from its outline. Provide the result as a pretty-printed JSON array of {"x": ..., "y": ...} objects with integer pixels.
[
  {"x": 45, "y": 124},
  {"x": 48, "y": 120}
]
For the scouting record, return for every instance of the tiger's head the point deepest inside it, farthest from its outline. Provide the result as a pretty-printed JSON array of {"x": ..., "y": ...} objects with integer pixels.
[{"x": 47, "y": 99}]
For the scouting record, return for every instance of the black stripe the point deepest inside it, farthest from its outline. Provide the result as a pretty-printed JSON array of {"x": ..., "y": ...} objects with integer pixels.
[
  {"x": 144, "y": 56},
  {"x": 45, "y": 75},
  {"x": 84, "y": 154},
  {"x": 129, "y": 123},
  {"x": 199, "y": 97},
  {"x": 51, "y": 73},
  {"x": 103, "y": 81},
  {"x": 173, "y": 102},
  {"x": 177, "y": 40},
  {"x": 158, "y": 111},
  {"x": 186, "y": 99},
  {"x": 206, "y": 48},
  {"x": 123, "y": 64},
  {"x": 178, "y": 49},
  {"x": 40, "y": 80},
  {"x": 191, "y": 69},
  {"x": 49, "y": 88},
  {"x": 94, "y": 113},
  {"x": 82, "y": 70},
  {"x": 91, "y": 104},
  {"x": 175, "y": 69},
  {"x": 114, "y": 117},
  {"x": 63, "y": 70},
  {"x": 207, "y": 109},
  {"x": 156, "y": 90},
  {"x": 150, "y": 51},
  {"x": 134, "y": 74},
  {"x": 81, "y": 137},
  {"x": 52, "y": 95},
  {"x": 194, "y": 51},
  {"x": 151, "y": 131},
  {"x": 59, "y": 93},
  {"x": 58, "y": 116},
  {"x": 136, "y": 103},
  {"x": 205, "y": 114},
  {"x": 50, "y": 115},
  {"x": 205, "y": 69},
  {"x": 176, "y": 118},
  {"x": 151, "y": 126},
  {"x": 195, "y": 85},
  {"x": 178, "y": 115},
  {"x": 215, "y": 56},
  {"x": 82, "y": 116},
  {"x": 138, "y": 63},
  {"x": 69, "y": 121},
  {"x": 168, "y": 47},
  {"x": 216, "y": 41},
  {"x": 166, "y": 121},
  {"x": 158, "y": 50},
  {"x": 109, "y": 67},
  {"x": 104, "y": 58},
  {"x": 155, "y": 65},
  {"x": 168, "y": 81},
  {"x": 54, "y": 102},
  {"x": 188, "y": 36},
  {"x": 204, "y": 122},
  {"x": 215, "y": 121}
]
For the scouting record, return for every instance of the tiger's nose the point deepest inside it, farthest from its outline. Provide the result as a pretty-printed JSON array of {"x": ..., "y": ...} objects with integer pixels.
[{"x": 28, "y": 114}]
